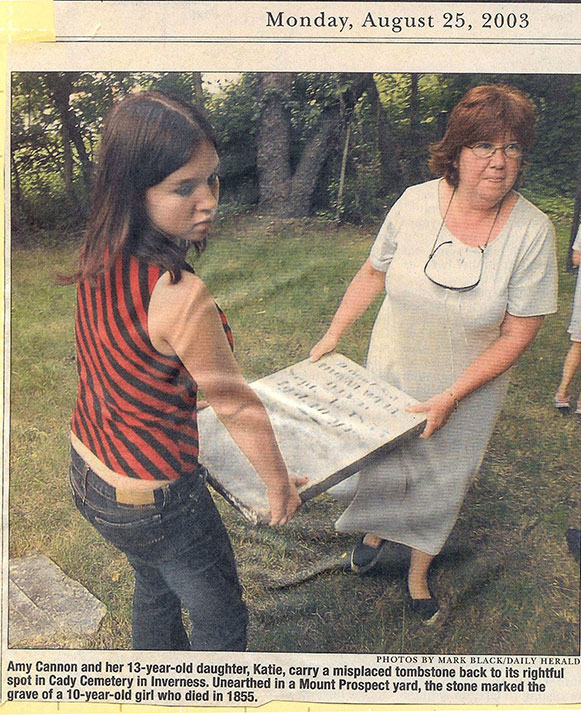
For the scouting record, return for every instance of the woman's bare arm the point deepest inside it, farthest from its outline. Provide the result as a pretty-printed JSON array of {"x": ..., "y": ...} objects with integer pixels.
[
  {"x": 183, "y": 320},
  {"x": 366, "y": 286}
]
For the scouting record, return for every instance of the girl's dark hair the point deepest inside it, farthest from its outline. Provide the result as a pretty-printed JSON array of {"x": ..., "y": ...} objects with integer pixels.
[
  {"x": 483, "y": 113},
  {"x": 147, "y": 136}
]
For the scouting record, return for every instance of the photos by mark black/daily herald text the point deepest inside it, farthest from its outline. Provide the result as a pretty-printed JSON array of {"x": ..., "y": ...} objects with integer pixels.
[{"x": 508, "y": 584}]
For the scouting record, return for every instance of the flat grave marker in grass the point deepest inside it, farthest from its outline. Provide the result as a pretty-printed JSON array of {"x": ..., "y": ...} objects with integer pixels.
[
  {"x": 46, "y": 608},
  {"x": 330, "y": 417}
]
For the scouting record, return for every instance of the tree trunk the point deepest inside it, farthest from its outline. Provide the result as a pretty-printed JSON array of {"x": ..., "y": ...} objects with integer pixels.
[
  {"x": 68, "y": 170},
  {"x": 415, "y": 169},
  {"x": 198, "y": 91},
  {"x": 441, "y": 125},
  {"x": 16, "y": 196},
  {"x": 283, "y": 193},
  {"x": 390, "y": 151},
  {"x": 60, "y": 87},
  {"x": 313, "y": 157},
  {"x": 562, "y": 84},
  {"x": 273, "y": 146},
  {"x": 342, "y": 174}
]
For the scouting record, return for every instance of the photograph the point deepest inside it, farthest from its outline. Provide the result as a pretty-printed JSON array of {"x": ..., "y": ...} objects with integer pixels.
[{"x": 413, "y": 222}]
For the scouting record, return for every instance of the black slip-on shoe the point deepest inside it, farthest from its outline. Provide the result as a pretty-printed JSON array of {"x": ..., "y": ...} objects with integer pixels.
[
  {"x": 427, "y": 609},
  {"x": 364, "y": 557}
]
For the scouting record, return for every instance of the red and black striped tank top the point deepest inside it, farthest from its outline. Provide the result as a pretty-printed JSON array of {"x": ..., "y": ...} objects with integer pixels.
[{"x": 136, "y": 408}]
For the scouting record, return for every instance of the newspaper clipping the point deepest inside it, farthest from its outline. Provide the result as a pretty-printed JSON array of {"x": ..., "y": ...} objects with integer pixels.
[{"x": 451, "y": 440}]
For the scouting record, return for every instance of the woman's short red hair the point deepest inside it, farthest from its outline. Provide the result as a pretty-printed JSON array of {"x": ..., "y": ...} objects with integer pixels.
[{"x": 482, "y": 114}]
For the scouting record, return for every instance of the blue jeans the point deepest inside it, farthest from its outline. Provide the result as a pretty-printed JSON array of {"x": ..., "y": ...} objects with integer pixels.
[{"x": 181, "y": 555}]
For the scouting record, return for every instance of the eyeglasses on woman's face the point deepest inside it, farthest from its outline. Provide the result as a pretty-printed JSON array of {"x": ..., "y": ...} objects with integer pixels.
[{"x": 486, "y": 150}]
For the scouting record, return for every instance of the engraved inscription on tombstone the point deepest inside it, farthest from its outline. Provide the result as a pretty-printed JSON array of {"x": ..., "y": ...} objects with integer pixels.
[{"x": 330, "y": 417}]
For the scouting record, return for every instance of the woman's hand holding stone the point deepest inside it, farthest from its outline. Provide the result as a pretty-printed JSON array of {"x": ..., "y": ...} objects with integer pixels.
[
  {"x": 326, "y": 345},
  {"x": 438, "y": 410},
  {"x": 284, "y": 500}
]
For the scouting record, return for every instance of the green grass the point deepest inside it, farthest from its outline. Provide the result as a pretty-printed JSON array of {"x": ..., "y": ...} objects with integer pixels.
[{"x": 505, "y": 578}]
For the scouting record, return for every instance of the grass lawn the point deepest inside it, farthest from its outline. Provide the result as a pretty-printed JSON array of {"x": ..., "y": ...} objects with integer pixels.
[{"x": 505, "y": 578}]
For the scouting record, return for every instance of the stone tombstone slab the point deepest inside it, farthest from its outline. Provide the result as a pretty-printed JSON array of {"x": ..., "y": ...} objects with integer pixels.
[
  {"x": 330, "y": 417},
  {"x": 46, "y": 608}
]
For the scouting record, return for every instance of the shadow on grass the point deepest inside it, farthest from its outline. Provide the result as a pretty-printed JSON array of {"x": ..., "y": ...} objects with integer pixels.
[{"x": 304, "y": 598}]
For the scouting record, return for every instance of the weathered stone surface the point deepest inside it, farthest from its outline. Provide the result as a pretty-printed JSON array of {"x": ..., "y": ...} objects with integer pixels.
[
  {"x": 46, "y": 608},
  {"x": 330, "y": 418}
]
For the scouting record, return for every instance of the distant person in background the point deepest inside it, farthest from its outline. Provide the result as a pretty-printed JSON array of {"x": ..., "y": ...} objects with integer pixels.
[
  {"x": 148, "y": 335},
  {"x": 563, "y": 400},
  {"x": 469, "y": 270}
]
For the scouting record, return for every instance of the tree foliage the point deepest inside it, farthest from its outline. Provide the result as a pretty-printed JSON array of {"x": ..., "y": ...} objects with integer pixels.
[{"x": 337, "y": 144}]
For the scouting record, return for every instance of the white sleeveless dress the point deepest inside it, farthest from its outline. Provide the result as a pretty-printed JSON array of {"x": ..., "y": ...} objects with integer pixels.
[{"x": 423, "y": 338}]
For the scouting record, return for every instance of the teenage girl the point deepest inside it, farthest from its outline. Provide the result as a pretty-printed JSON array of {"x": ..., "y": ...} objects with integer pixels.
[{"x": 148, "y": 335}]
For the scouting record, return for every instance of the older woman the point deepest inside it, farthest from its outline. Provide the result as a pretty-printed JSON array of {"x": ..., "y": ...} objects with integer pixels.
[{"x": 468, "y": 266}]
